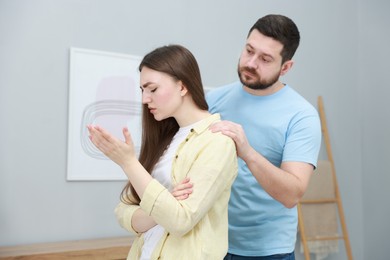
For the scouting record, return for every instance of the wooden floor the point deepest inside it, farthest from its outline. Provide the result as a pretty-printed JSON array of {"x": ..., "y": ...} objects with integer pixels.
[{"x": 107, "y": 248}]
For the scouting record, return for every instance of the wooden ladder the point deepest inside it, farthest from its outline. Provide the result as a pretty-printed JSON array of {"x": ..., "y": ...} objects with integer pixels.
[{"x": 334, "y": 199}]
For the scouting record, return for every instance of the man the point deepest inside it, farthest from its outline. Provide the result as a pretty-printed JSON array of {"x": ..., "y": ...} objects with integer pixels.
[{"x": 277, "y": 135}]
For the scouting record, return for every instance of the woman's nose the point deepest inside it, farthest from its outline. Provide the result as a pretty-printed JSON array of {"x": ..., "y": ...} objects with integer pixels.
[{"x": 145, "y": 98}]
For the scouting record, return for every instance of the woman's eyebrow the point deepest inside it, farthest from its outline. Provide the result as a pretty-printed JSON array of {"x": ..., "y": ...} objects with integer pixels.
[{"x": 145, "y": 85}]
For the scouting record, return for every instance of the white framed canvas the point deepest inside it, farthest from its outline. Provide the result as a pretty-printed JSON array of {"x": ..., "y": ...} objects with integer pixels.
[{"x": 103, "y": 90}]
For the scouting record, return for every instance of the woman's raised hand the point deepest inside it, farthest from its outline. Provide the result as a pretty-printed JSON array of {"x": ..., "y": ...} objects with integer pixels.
[{"x": 118, "y": 151}]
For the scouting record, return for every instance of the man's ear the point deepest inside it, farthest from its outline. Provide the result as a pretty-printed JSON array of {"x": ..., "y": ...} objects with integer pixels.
[{"x": 286, "y": 67}]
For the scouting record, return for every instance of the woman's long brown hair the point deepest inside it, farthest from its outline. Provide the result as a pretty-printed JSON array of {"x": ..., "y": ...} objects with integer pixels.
[{"x": 179, "y": 63}]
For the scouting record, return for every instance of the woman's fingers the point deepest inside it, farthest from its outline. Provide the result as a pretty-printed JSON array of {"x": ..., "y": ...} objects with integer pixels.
[
  {"x": 115, "y": 149},
  {"x": 182, "y": 190},
  {"x": 182, "y": 197},
  {"x": 99, "y": 137},
  {"x": 127, "y": 135}
]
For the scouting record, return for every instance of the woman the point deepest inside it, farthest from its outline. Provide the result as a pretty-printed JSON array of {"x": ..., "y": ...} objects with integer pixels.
[{"x": 176, "y": 146}]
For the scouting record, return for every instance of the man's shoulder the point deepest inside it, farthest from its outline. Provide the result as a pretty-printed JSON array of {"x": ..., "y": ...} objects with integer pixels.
[
  {"x": 215, "y": 95},
  {"x": 296, "y": 100},
  {"x": 223, "y": 88}
]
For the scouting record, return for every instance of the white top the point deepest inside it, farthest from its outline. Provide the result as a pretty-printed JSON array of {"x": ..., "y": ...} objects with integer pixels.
[{"x": 162, "y": 173}]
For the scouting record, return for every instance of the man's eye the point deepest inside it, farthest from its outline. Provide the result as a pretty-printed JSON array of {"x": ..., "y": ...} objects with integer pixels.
[
  {"x": 267, "y": 60},
  {"x": 153, "y": 90}
]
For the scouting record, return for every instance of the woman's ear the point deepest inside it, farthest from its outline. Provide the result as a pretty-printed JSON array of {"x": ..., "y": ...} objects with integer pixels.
[{"x": 183, "y": 89}]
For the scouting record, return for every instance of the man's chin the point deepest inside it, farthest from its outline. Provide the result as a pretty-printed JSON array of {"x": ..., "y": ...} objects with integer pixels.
[
  {"x": 256, "y": 86},
  {"x": 247, "y": 82},
  {"x": 252, "y": 84}
]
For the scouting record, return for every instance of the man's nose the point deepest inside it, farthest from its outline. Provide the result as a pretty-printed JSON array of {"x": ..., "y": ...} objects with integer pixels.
[{"x": 252, "y": 62}]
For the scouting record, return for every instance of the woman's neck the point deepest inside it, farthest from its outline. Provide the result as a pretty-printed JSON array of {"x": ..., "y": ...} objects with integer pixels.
[{"x": 192, "y": 116}]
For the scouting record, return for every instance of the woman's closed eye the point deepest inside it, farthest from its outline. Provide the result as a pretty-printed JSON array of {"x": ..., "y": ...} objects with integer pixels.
[{"x": 151, "y": 90}]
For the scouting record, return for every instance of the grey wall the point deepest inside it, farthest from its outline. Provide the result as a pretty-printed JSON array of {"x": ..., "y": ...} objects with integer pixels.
[
  {"x": 374, "y": 56},
  {"x": 342, "y": 57}
]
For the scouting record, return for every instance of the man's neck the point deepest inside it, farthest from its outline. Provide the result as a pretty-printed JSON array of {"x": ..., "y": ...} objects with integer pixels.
[{"x": 265, "y": 92}]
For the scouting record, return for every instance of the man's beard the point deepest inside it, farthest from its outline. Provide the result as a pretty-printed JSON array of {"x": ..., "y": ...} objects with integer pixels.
[{"x": 259, "y": 84}]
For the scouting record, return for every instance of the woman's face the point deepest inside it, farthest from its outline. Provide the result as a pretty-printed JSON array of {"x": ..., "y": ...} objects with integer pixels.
[{"x": 161, "y": 93}]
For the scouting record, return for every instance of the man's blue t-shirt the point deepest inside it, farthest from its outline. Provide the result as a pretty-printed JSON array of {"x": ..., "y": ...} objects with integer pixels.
[{"x": 282, "y": 127}]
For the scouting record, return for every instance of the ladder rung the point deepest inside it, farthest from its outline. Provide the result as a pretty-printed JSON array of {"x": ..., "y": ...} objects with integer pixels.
[
  {"x": 324, "y": 238},
  {"x": 318, "y": 201}
]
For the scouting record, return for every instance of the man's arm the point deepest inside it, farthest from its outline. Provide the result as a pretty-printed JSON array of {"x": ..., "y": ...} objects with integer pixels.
[{"x": 286, "y": 184}]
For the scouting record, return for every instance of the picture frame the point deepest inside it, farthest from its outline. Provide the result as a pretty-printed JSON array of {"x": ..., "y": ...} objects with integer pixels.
[{"x": 103, "y": 90}]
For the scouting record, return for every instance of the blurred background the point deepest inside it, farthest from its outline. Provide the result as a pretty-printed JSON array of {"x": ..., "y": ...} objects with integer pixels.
[{"x": 342, "y": 57}]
